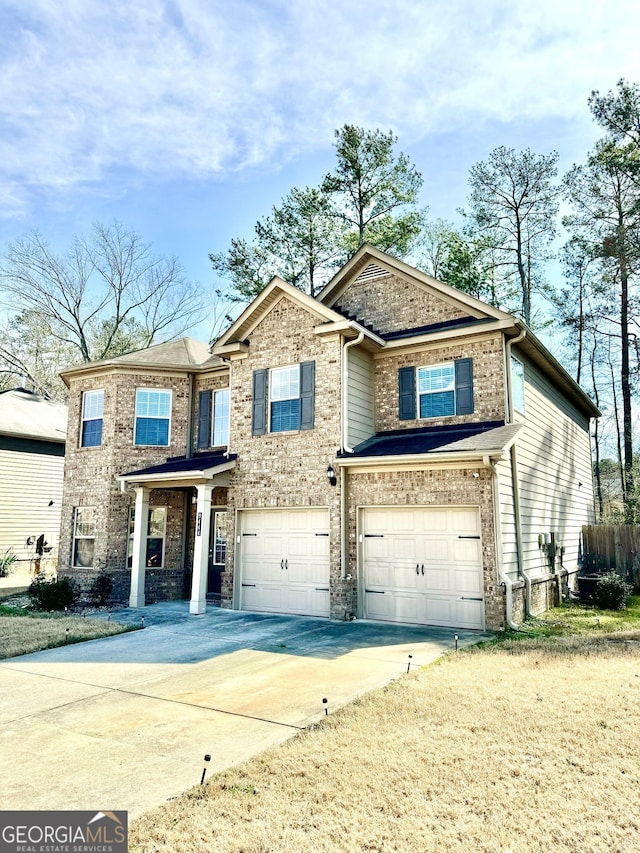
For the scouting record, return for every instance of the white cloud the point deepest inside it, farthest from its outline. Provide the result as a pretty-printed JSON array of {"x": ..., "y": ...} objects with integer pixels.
[{"x": 196, "y": 88}]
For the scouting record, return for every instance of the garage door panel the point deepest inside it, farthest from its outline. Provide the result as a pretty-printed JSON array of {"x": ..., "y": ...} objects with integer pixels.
[
  {"x": 430, "y": 538},
  {"x": 285, "y": 567}
]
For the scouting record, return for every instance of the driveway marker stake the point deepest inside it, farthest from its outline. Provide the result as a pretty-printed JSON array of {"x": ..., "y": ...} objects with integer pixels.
[
  {"x": 142, "y": 621},
  {"x": 455, "y": 637},
  {"x": 204, "y": 769},
  {"x": 326, "y": 709},
  {"x": 66, "y": 636},
  {"x": 409, "y": 664}
]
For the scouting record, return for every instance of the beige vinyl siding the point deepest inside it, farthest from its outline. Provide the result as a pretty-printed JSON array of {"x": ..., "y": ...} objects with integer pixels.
[
  {"x": 508, "y": 535},
  {"x": 28, "y": 481},
  {"x": 553, "y": 455},
  {"x": 359, "y": 396}
]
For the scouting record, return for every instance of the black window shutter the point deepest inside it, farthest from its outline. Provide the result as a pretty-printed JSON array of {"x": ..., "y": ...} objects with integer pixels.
[
  {"x": 464, "y": 386},
  {"x": 307, "y": 394},
  {"x": 259, "y": 409},
  {"x": 407, "y": 393},
  {"x": 204, "y": 419}
]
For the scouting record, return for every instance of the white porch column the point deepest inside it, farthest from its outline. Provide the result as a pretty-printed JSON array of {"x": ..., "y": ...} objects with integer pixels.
[
  {"x": 139, "y": 557},
  {"x": 198, "y": 602}
]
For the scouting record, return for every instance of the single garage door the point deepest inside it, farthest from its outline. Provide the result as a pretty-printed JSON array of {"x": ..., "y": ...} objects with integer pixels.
[
  {"x": 423, "y": 565},
  {"x": 284, "y": 561}
]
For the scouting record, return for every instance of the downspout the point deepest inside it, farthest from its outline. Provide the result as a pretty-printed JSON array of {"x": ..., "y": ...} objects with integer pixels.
[
  {"x": 514, "y": 476},
  {"x": 504, "y": 577},
  {"x": 344, "y": 525}
]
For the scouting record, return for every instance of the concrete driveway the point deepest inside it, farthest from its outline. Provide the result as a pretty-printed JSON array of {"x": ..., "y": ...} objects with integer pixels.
[{"x": 124, "y": 722}]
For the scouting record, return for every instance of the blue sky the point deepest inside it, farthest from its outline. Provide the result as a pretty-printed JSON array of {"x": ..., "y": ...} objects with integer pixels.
[{"x": 187, "y": 119}]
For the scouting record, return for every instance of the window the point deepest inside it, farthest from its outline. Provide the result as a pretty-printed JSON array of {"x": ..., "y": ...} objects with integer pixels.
[
  {"x": 153, "y": 415},
  {"x": 219, "y": 538},
  {"x": 284, "y": 385},
  {"x": 283, "y": 398},
  {"x": 437, "y": 390},
  {"x": 220, "y": 432},
  {"x": 156, "y": 528},
  {"x": 92, "y": 413},
  {"x": 517, "y": 384},
  {"x": 84, "y": 536}
]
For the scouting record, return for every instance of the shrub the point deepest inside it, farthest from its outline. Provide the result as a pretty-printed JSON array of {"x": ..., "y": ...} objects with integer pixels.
[
  {"x": 101, "y": 589},
  {"x": 611, "y": 592},
  {"x": 6, "y": 562},
  {"x": 55, "y": 594}
]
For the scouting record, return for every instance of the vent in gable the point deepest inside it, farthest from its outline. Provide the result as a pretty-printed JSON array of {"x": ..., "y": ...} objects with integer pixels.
[{"x": 372, "y": 271}]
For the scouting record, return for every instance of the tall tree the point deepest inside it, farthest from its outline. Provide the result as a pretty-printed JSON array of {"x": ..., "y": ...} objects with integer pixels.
[
  {"x": 513, "y": 204},
  {"x": 618, "y": 112},
  {"x": 376, "y": 190},
  {"x": 106, "y": 295},
  {"x": 575, "y": 302},
  {"x": 606, "y": 203},
  {"x": 301, "y": 241}
]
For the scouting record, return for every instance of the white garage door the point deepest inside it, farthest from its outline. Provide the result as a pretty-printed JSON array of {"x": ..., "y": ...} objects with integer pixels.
[
  {"x": 423, "y": 565},
  {"x": 284, "y": 561}
]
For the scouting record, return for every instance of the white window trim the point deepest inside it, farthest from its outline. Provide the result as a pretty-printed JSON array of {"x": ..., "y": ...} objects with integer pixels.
[
  {"x": 84, "y": 419},
  {"x": 213, "y": 417},
  {"x": 522, "y": 410},
  {"x": 77, "y": 536},
  {"x": 418, "y": 394},
  {"x": 135, "y": 415},
  {"x": 147, "y": 536},
  {"x": 273, "y": 370}
]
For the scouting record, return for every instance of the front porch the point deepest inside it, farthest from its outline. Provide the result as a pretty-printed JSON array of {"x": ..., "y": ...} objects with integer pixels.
[{"x": 200, "y": 474}]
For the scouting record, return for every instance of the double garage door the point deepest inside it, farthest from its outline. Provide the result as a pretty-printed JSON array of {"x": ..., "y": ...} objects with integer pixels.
[
  {"x": 284, "y": 561},
  {"x": 423, "y": 565}
]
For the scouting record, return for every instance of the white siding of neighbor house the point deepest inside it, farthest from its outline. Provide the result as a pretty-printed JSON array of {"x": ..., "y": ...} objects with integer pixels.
[
  {"x": 507, "y": 519},
  {"x": 360, "y": 396},
  {"x": 553, "y": 454},
  {"x": 28, "y": 481}
]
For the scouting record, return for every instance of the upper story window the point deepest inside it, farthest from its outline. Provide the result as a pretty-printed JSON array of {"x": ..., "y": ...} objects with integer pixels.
[
  {"x": 437, "y": 390},
  {"x": 84, "y": 536},
  {"x": 283, "y": 398},
  {"x": 517, "y": 384},
  {"x": 153, "y": 417},
  {"x": 92, "y": 414},
  {"x": 213, "y": 418},
  {"x": 220, "y": 429}
]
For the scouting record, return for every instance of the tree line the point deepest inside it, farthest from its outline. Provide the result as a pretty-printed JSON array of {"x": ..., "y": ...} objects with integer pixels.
[{"x": 109, "y": 294}]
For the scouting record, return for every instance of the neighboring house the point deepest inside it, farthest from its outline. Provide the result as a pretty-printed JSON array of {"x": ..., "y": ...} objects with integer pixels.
[
  {"x": 392, "y": 449},
  {"x": 32, "y": 437}
]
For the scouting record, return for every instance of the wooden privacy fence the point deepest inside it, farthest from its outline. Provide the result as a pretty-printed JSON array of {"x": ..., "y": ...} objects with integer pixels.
[{"x": 613, "y": 547}]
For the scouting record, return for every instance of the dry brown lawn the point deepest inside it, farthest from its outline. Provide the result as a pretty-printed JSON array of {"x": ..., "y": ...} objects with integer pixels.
[
  {"x": 523, "y": 746},
  {"x": 25, "y": 633}
]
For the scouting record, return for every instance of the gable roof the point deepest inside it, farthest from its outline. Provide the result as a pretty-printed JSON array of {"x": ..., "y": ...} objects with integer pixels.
[
  {"x": 368, "y": 256},
  {"x": 264, "y": 302},
  {"x": 179, "y": 354},
  {"x": 25, "y": 414}
]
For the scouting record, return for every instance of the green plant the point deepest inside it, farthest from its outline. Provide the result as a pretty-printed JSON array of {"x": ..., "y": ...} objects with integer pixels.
[
  {"x": 54, "y": 594},
  {"x": 611, "y": 592},
  {"x": 6, "y": 562},
  {"x": 101, "y": 589}
]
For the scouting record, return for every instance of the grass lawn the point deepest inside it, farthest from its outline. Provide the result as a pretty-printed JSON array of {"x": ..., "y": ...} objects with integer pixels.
[
  {"x": 23, "y": 631},
  {"x": 526, "y": 744}
]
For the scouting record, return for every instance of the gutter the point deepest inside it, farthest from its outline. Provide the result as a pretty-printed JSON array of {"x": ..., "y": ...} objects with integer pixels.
[
  {"x": 514, "y": 475},
  {"x": 347, "y": 449}
]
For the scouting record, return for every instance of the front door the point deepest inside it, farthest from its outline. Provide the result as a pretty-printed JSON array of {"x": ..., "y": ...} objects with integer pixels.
[{"x": 217, "y": 552}]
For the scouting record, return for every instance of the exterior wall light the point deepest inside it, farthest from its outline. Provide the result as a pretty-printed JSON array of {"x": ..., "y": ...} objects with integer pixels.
[{"x": 331, "y": 475}]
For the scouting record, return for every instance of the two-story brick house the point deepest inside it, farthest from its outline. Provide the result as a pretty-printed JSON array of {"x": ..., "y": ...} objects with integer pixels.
[{"x": 392, "y": 449}]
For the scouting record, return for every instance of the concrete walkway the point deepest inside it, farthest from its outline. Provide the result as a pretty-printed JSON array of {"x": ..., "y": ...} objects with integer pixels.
[{"x": 124, "y": 722}]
